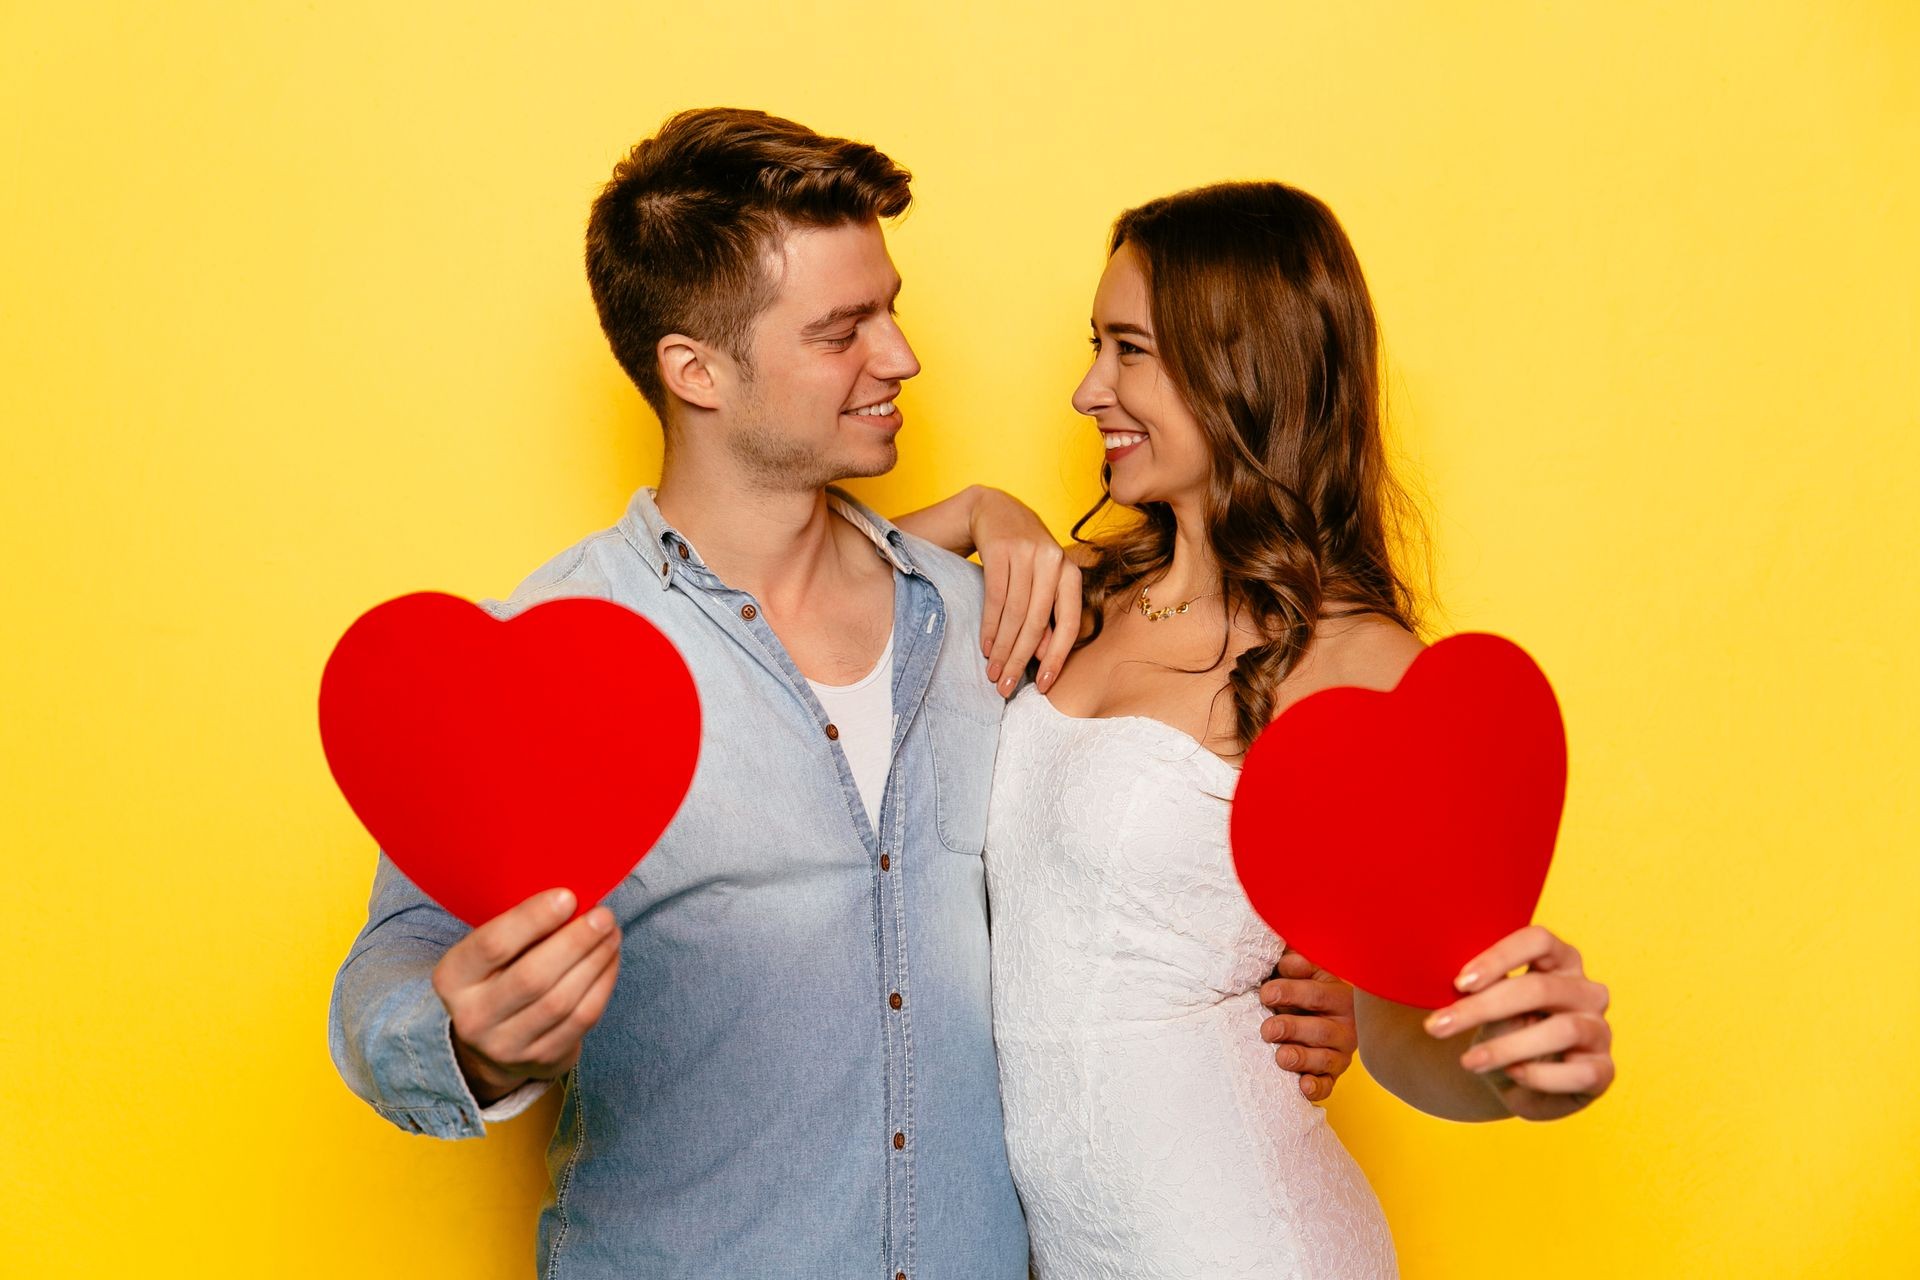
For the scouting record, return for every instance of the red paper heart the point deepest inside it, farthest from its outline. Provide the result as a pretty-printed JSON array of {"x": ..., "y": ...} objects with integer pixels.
[
  {"x": 1392, "y": 837},
  {"x": 492, "y": 760}
]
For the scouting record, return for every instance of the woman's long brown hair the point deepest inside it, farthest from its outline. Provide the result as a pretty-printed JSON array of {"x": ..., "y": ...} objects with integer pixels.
[{"x": 1264, "y": 325}]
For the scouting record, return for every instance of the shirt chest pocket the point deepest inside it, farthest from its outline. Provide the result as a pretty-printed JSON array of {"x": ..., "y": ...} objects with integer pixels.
[{"x": 962, "y": 740}]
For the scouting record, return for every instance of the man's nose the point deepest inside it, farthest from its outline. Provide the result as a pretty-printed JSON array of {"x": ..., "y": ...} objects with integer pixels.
[{"x": 894, "y": 360}]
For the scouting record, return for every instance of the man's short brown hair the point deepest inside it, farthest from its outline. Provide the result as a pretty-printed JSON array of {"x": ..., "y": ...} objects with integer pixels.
[{"x": 678, "y": 238}]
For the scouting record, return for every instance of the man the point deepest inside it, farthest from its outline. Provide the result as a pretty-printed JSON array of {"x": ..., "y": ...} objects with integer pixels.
[{"x": 792, "y": 1070}]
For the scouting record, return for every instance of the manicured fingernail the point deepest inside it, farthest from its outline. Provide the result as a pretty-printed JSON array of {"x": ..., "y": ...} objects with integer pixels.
[
  {"x": 600, "y": 920},
  {"x": 993, "y": 672},
  {"x": 562, "y": 900},
  {"x": 1465, "y": 981},
  {"x": 1475, "y": 1060},
  {"x": 1046, "y": 678},
  {"x": 1439, "y": 1022}
]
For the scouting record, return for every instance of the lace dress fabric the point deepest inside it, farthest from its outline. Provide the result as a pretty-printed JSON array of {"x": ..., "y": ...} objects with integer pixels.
[{"x": 1150, "y": 1131}]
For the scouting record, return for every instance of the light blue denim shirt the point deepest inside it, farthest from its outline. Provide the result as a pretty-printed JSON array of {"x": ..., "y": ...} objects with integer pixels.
[{"x": 751, "y": 1103}]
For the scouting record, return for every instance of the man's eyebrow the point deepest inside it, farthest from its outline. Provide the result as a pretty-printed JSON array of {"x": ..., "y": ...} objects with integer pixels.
[{"x": 852, "y": 311}]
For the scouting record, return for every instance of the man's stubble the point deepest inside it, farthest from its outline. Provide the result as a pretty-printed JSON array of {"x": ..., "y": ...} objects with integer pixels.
[{"x": 773, "y": 461}]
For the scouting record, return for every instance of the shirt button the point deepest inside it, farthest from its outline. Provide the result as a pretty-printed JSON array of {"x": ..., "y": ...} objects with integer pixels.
[
  {"x": 748, "y": 612},
  {"x": 894, "y": 999},
  {"x": 899, "y": 1141},
  {"x": 683, "y": 551},
  {"x": 885, "y": 862},
  {"x": 833, "y": 733}
]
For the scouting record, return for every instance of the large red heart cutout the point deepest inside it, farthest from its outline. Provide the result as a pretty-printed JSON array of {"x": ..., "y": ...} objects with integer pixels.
[
  {"x": 492, "y": 760},
  {"x": 1392, "y": 837}
]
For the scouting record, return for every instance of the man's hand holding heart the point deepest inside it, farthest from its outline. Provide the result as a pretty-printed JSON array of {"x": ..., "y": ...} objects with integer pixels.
[{"x": 523, "y": 990}]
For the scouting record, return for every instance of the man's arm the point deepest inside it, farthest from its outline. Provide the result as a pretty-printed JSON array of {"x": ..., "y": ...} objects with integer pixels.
[
  {"x": 388, "y": 1032},
  {"x": 430, "y": 1022}
]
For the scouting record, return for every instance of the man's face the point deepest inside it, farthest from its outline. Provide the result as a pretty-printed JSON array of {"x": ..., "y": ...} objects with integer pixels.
[{"x": 828, "y": 359}]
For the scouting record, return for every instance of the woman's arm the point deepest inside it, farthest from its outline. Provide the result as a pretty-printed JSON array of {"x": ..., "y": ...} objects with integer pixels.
[
  {"x": 1537, "y": 1046},
  {"x": 1032, "y": 606},
  {"x": 948, "y": 523},
  {"x": 1417, "y": 1068}
]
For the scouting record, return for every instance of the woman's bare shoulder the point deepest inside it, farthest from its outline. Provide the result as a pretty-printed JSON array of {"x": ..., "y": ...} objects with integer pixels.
[
  {"x": 1363, "y": 651},
  {"x": 1366, "y": 650}
]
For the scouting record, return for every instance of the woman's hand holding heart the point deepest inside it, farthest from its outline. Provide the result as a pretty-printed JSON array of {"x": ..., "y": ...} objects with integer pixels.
[{"x": 1543, "y": 1044}]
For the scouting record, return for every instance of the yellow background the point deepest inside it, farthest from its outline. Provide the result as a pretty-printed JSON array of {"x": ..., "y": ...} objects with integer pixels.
[{"x": 294, "y": 320}]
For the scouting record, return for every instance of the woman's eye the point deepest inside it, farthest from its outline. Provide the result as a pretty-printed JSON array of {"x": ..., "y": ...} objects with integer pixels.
[{"x": 1126, "y": 348}]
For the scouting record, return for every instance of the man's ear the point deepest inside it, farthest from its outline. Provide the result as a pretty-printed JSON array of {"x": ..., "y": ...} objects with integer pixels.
[{"x": 691, "y": 370}]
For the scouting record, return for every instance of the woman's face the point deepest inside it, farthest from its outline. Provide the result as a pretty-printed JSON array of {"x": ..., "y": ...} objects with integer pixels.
[{"x": 1154, "y": 443}]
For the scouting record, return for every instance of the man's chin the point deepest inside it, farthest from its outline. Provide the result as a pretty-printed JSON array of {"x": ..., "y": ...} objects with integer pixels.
[{"x": 874, "y": 461}]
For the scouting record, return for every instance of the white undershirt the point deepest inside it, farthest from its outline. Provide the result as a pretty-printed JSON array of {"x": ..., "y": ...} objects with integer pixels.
[{"x": 863, "y": 714}]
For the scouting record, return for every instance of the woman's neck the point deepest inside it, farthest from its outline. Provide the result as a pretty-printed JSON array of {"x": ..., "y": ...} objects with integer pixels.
[{"x": 1193, "y": 572}]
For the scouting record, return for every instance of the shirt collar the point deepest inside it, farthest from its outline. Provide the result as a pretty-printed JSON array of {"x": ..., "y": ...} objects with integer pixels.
[
  {"x": 879, "y": 530},
  {"x": 666, "y": 549}
]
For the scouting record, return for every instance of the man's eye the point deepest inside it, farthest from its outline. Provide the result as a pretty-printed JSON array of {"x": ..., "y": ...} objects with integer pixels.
[{"x": 842, "y": 342}]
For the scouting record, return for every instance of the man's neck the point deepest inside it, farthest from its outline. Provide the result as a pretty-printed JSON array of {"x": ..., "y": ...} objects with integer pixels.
[{"x": 778, "y": 545}]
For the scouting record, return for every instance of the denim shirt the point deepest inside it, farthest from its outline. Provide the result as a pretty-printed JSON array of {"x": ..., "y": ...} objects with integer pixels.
[{"x": 751, "y": 1103}]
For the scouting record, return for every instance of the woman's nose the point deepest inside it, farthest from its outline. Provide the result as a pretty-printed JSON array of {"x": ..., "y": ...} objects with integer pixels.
[{"x": 1093, "y": 394}]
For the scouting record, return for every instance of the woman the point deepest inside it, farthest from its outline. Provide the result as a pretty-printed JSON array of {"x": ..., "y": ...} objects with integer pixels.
[{"x": 1234, "y": 383}]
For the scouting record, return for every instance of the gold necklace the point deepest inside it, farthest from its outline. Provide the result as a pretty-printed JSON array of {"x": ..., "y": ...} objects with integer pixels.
[{"x": 1152, "y": 614}]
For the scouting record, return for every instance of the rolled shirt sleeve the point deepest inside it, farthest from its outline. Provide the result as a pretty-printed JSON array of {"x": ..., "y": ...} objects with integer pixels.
[{"x": 390, "y": 1036}]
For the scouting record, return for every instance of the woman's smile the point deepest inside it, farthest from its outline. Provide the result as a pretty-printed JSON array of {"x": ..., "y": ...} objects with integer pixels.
[{"x": 1121, "y": 443}]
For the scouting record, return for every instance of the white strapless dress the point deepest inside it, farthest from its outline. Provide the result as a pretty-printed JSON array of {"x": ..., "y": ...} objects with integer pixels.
[{"x": 1151, "y": 1133}]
